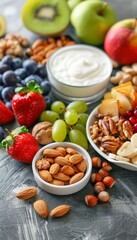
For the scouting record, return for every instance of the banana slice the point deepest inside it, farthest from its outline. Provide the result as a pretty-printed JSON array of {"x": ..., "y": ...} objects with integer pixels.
[
  {"x": 118, "y": 158},
  {"x": 134, "y": 160},
  {"x": 134, "y": 139},
  {"x": 127, "y": 150}
]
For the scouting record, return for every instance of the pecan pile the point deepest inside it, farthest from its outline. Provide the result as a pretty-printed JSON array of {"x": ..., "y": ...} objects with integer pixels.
[{"x": 109, "y": 133}]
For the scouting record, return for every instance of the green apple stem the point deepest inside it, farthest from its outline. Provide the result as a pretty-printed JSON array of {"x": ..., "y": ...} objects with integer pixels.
[{"x": 100, "y": 12}]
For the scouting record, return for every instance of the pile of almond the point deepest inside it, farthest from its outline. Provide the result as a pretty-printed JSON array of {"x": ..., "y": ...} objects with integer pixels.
[
  {"x": 41, "y": 50},
  {"x": 61, "y": 166},
  {"x": 40, "y": 205}
]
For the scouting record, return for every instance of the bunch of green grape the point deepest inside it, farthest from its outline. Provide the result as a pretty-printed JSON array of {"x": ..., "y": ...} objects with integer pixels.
[{"x": 68, "y": 121}]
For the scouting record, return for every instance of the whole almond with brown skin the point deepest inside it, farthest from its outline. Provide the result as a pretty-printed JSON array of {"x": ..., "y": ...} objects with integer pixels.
[
  {"x": 62, "y": 150},
  {"x": 77, "y": 177},
  {"x": 61, "y": 176},
  {"x": 57, "y": 182},
  {"x": 60, "y": 211},
  {"x": 82, "y": 166},
  {"x": 45, "y": 175},
  {"x": 62, "y": 161},
  {"x": 70, "y": 151},
  {"x": 54, "y": 168},
  {"x": 52, "y": 153},
  {"x": 41, "y": 208},
  {"x": 27, "y": 193},
  {"x": 75, "y": 158},
  {"x": 67, "y": 170}
]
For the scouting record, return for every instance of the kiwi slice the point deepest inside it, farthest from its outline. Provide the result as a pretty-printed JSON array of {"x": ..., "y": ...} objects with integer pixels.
[
  {"x": 3, "y": 26},
  {"x": 46, "y": 17}
]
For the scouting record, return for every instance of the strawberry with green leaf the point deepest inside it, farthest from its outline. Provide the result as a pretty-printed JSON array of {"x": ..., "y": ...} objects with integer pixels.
[
  {"x": 28, "y": 104},
  {"x": 6, "y": 115},
  {"x": 20, "y": 144}
]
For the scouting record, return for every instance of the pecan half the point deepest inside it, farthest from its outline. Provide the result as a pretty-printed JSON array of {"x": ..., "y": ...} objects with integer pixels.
[
  {"x": 127, "y": 129},
  {"x": 110, "y": 144}
]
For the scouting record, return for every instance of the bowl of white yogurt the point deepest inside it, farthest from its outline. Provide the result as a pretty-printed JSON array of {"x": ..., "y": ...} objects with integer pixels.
[{"x": 79, "y": 72}]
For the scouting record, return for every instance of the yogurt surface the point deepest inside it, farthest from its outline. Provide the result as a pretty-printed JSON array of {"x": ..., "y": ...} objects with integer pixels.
[{"x": 80, "y": 66}]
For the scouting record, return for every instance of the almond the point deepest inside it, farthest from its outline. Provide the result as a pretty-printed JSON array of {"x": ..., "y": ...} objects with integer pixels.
[
  {"x": 67, "y": 170},
  {"x": 54, "y": 168},
  {"x": 77, "y": 177},
  {"x": 82, "y": 166},
  {"x": 27, "y": 193},
  {"x": 50, "y": 160},
  {"x": 75, "y": 169},
  {"x": 57, "y": 182},
  {"x": 75, "y": 158},
  {"x": 51, "y": 153},
  {"x": 61, "y": 176},
  {"x": 60, "y": 211},
  {"x": 62, "y": 150},
  {"x": 71, "y": 151},
  {"x": 62, "y": 161},
  {"x": 45, "y": 175},
  {"x": 41, "y": 208}
]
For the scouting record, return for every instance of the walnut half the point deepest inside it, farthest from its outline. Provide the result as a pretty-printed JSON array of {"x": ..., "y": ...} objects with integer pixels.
[{"x": 43, "y": 132}]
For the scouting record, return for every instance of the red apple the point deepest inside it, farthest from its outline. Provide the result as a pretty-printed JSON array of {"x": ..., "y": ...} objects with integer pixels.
[{"x": 121, "y": 42}]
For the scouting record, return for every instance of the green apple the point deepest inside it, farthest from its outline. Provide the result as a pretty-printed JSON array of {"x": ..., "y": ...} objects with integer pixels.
[
  {"x": 91, "y": 21},
  {"x": 73, "y": 3}
]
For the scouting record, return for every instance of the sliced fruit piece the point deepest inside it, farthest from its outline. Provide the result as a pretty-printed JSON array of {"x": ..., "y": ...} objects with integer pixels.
[
  {"x": 126, "y": 95},
  {"x": 3, "y": 25},
  {"x": 46, "y": 17},
  {"x": 134, "y": 140},
  {"x": 118, "y": 158},
  {"x": 126, "y": 150},
  {"x": 109, "y": 106},
  {"x": 134, "y": 160},
  {"x": 107, "y": 95}
]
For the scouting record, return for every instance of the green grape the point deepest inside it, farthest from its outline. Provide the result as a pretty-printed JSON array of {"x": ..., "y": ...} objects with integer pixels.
[
  {"x": 71, "y": 117},
  {"x": 78, "y": 137},
  {"x": 58, "y": 107},
  {"x": 80, "y": 127},
  {"x": 78, "y": 105},
  {"x": 49, "y": 116},
  {"x": 82, "y": 118},
  {"x": 59, "y": 131}
]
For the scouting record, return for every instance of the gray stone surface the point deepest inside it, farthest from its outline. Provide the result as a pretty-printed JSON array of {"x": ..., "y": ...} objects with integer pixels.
[{"x": 116, "y": 220}]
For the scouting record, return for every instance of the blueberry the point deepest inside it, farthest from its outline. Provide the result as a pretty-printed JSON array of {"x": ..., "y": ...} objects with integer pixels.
[
  {"x": 21, "y": 72},
  {"x": 46, "y": 87},
  {"x": 30, "y": 65},
  {"x": 7, "y": 60},
  {"x": 41, "y": 71},
  {"x": 1, "y": 88},
  {"x": 23, "y": 83},
  {"x": 9, "y": 78},
  {"x": 48, "y": 102},
  {"x": 9, "y": 105},
  {"x": 7, "y": 93},
  {"x": 16, "y": 63},
  {"x": 34, "y": 77},
  {"x": 4, "y": 68},
  {"x": 1, "y": 82},
  {"x": 2, "y": 134}
]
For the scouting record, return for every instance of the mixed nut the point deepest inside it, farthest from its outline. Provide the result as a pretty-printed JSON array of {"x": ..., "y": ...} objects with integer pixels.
[{"x": 61, "y": 166}]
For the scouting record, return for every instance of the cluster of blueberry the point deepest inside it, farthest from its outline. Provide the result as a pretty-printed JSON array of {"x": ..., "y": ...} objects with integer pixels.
[{"x": 17, "y": 73}]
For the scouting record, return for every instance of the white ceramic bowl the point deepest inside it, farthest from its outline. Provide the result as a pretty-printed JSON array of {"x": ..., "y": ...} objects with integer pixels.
[
  {"x": 122, "y": 164},
  {"x": 85, "y": 58},
  {"x": 67, "y": 189}
]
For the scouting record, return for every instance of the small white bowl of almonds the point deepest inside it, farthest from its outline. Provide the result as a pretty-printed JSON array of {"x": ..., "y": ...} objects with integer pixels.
[{"x": 62, "y": 168}]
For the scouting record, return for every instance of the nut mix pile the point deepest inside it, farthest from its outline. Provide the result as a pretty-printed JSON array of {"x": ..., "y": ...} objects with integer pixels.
[
  {"x": 100, "y": 180},
  {"x": 61, "y": 166}
]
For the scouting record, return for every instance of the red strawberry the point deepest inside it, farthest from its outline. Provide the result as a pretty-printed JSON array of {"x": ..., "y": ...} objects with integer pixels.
[
  {"x": 6, "y": 115},
  {"x": 28, "y": 104},
  {"x": 21, "y": 145}
]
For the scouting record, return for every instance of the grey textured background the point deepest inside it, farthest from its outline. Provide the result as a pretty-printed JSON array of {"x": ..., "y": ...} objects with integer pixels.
[{"x": 116, "y": 220}]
